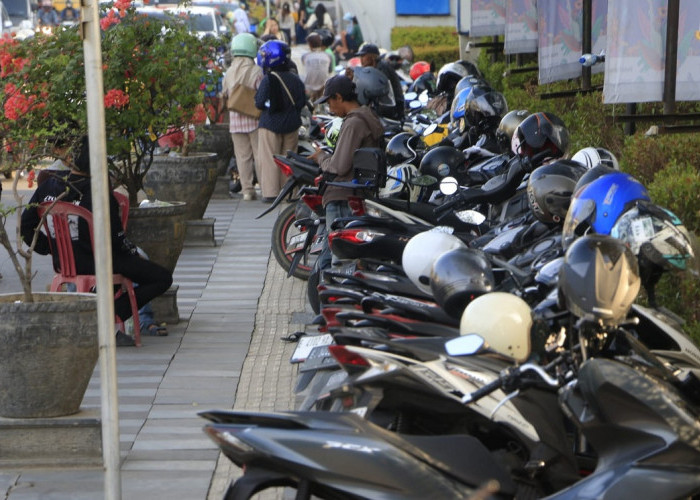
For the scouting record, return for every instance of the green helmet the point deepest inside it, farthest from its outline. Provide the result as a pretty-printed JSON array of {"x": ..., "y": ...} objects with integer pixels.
[{"x": 244, "y": 44}]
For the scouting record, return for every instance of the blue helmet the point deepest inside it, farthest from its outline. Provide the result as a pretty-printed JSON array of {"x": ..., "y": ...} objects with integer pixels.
[
  {"x": 272, "y": 54},
  {"x": 600, "y": 204}
]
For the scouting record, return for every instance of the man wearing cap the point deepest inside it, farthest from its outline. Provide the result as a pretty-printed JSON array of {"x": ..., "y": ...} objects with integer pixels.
[
  {"x": 369, "y": 56},
  {"x": 361, "y": 129}
]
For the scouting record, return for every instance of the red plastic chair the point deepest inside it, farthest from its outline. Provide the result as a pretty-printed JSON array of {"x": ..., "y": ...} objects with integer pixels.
[
  {"x": 123, "y": 202},
  {"x": 61, "y": 218}
]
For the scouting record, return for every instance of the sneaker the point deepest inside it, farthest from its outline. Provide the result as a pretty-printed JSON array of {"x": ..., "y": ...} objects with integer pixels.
[
  {"x": 123, "y": 340},
  {"x": 249, "y": 196}
]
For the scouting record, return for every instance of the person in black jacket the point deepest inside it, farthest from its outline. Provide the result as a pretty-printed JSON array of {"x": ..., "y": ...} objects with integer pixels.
[
  {"x": 281, "y": 97},
  {"x": 153, "y": 279},
  {"x": 369, "y": 56}
]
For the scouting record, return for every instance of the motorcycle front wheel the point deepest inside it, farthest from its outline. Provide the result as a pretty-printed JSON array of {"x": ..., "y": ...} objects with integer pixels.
[{"x": 286, "y": 237}]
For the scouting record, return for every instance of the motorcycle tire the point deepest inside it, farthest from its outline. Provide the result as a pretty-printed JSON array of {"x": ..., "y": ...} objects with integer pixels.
[
  {"x": 312, "y": 292},
  {"x": 282, "y": 233}
]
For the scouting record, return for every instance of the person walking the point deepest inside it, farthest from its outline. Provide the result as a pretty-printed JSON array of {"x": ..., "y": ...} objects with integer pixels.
[
  {"x": 240, "y": 18},
  {"x": 361, "y": 128},
  {"x": 317, "y": 67},
  {"x": 287, "y": 23},
  {"x": 281, "y": 97},
  {"x": 244, "y": 128}
]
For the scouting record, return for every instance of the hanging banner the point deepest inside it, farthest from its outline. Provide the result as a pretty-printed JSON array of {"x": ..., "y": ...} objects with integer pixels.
[
  {"x": 560, "y": 28},
  {"x": 635, "y": 56},
  {"x": 521, "y": 27},
  {"x": 488, "y": 18}
]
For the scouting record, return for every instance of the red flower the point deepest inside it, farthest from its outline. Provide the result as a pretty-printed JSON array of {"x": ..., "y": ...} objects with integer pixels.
[
  {"x": 115, "y": 98},
  {"x": 110, "y": 19}
]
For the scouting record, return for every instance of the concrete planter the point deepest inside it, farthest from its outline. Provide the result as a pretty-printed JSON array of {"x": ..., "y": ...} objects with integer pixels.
[
  {"x": 48, "y": 351},
  {"x": 216, "y": 138},
  {"x": 183, "y": 178},
  {"x": 159, "y": 231}
]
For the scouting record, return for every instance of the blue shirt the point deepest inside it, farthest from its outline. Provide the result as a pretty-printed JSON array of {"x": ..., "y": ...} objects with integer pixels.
[{"x": 289, "y": 118}]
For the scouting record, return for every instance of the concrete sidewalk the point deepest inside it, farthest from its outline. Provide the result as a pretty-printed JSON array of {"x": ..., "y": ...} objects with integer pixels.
[{"x": 235, "y": 304}]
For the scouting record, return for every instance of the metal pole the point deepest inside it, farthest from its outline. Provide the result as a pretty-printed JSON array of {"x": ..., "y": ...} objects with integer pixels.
[
  {"x": 671, "y": 56},
  {"x": 586, "y": 43},
  {"x": 268, "y": 9},
  {"x": 90, "y": 30},
  {"x": 630, "y": 109}
]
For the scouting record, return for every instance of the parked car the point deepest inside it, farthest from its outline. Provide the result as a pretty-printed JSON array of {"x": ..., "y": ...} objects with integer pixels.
[{"x": 204, "y": 21}]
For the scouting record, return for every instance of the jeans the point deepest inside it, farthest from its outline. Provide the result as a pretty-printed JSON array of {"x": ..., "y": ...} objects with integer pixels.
[{"x": 334, "y": 210}]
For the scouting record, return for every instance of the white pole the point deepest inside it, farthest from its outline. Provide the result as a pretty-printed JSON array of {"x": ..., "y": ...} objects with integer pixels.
[
  {"x": 100, "y": 209},
  {"x": 268, "y": 9}
]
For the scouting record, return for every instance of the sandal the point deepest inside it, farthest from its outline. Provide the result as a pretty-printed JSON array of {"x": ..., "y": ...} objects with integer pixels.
[{"x": 156, "y": 330}]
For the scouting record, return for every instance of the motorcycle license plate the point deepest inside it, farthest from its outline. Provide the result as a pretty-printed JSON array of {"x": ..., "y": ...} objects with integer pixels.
[
  {"x": 306, "y": 345},
  {"x": 296, "y": 243}
]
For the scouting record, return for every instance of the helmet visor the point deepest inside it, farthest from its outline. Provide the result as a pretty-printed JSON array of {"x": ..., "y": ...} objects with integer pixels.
[{"x": 578, "y": 220}]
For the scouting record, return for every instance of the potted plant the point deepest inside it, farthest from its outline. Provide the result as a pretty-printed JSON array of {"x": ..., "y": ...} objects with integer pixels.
[
  {"x": 48, "y": 347},
  {"x": 154, "y": 76}
]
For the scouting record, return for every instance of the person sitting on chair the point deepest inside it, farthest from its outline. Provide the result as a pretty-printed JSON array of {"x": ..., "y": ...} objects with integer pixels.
[{"x": 153, "y": 279}]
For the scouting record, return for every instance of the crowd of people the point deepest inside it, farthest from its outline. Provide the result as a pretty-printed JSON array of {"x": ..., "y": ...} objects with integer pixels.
[{"x": 47, "y": 15}]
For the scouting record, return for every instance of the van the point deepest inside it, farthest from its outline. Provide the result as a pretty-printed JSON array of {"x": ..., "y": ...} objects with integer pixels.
[
  {"x": 20, "y": 13},
  {"x": 5, "y": 21}
]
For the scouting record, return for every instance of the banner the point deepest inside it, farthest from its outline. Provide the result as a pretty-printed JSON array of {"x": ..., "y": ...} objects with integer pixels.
[
  {"x": 521, "y": 26},
  {"x": 635, "y": 56},
  {"x": 488, "y": 18},
  {"x": 560, "y": 28}
]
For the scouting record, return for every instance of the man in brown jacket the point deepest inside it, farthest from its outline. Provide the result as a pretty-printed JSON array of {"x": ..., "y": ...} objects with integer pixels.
[{"x": 361, "y": 128}]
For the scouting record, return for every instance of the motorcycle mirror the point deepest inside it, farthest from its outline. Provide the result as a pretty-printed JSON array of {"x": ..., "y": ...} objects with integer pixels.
[
  {"x": 471, "y": 217},
  {"x": 423, "y": 180},
  {"x": 410, "y": 96},
  {"x": 415, "y": 104},
  {"x": 464, "y": 345},
  {"x": 449, "y": 185},
  {"x": 430, "y": 129}
]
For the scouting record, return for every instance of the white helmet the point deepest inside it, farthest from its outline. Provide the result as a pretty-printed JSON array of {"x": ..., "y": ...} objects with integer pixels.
[
  {"x": 503, "y": 320},
  {"x": 592, "y": 157},
  {"x": 397, "y": 182},
  {"x": 422, "y": 250}
]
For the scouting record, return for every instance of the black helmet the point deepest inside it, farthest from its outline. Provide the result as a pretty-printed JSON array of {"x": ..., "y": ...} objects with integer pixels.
[
  {"x": 448, "y": 77},
  {"x": 470, "y": 81},
  {"x": 541, "y": 132},
  {"x": 485, "y": 108},
  {"x": 599, "y": 279},
  {"x": 402, "y": 149},
  {"x": 327, "y": 37},
  {"x": 443, "y": 161},
  {"x": 426, "y": 81},
  {"x": 458, "y": 276},
  {"x": 470, "y": 67},
  {"x": 507, "y": 126},
  {"x": 593, "y": 174},
  {"x": 550, "y": 187},
  {"x": 371, "y": 85}
]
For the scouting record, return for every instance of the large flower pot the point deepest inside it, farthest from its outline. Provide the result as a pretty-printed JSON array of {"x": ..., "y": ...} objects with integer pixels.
[
  {"x": 48, "y": 351},
  {"x": 159, "y": 231},
  {"x": 216, "y": 138},
  {"x": 183, "y": 178}
]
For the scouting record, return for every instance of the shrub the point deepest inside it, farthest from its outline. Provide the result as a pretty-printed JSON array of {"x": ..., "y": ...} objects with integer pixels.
[
  {"x": 644, "y": 156},
  {"x": 438, "y": 56},
  {"x": 424, "y": 36}
]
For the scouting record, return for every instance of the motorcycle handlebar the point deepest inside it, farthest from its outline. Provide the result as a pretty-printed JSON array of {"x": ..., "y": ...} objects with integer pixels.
[{"x": 508, "y": 376}]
